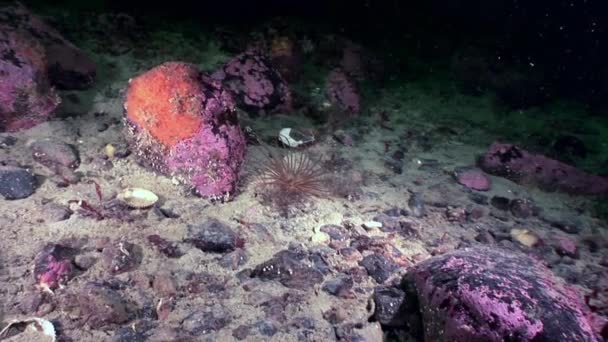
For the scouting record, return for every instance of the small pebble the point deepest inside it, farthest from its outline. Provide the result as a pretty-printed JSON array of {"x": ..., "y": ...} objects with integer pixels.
[
  {"x": 16, "y": 183},
  {"x": 378, "y": 267},
  {"x": 501, "y": 203},
  {"x": 213, "y": 236}
]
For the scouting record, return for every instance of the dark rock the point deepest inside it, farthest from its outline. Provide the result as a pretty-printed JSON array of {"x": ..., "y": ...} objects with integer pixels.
[
  {"x": 214, "y": 236},
  {"x": 486, "y": 237},
  {"x": 568, "y": 149},
  {"x": 16, "y": 183},
  {"x": 416, "y": 205},
  {"x": 84, "y": 262},
  {"x": 319, "y": 263},
  {"x": 478, "y": 198},
  {"x": 169, "y": 249},
  {"x": 55, "y": 212},
  {"x": 53, "y": 154},
  {"x": 335, "y": 232},
  {"x": 241, "y": 332},
  {"x": 501, "y": 203},
  {"x": 495, "y": 294},
  {"x": 290, "y": 269},
  {"x": 98, "y": 305},
  {"x": 389, "y": 224},
  {"x": 128, "y": 334},
  {"x": 521, "y": 208},
  {"x": 234, "y": 260},
  {"x": 303, "y": 323},
  {"x": 121, "y": 256},
  {"x": 566, "y": 226},
  {"x": 164, "y": 285},
  {"x": 565, "y": 246},
  {"x": 396, "y": 212},
  {"x": 339, "y": 287},
  {"x": 205, "y": 321},
  {"x": 7, "y": 141},
  {"x": 378, "y": 267},
  {"x": 390, "y": 306},
  {"x": 266, "y": 328}
]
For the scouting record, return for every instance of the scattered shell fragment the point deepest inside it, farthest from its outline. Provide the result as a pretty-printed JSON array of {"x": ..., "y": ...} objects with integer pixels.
[
  {"x": 525, "y": 237},
  {"x": 293, "y": 138},
  {"x": 369, "y": 225},
  {"x": 110, "y": 151},
  {"x": 138, "y": 198},
  {"x": 36, "y": 329}
]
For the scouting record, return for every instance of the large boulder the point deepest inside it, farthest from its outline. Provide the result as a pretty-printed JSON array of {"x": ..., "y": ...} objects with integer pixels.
[
  {"x": 258, "y": 88},
  {"x": 183, "y": 123},
  {"x": 521, "y": 166},
  {"x": 26, "y": 96},
  {"x": 489, "y": 294},
  {"x": 68, "y": 66}
]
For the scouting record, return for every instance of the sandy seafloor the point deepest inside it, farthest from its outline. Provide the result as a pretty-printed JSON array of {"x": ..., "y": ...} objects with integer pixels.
[{"x": 427, "y": 168}]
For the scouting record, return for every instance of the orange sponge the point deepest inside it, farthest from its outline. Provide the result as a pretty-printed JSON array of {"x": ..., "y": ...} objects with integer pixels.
[{"x": 164, "y": 102}]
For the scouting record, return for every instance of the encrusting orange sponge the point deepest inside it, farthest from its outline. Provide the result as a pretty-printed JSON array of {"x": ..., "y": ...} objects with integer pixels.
[{"x": 164, "y": 101}]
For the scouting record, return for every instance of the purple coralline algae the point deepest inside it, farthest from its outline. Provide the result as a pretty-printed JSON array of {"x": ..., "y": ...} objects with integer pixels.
[
  {"x": 26, "y": 96},
  {"x": 257, "y": 87},
  {"x": 521, "y": 166},
  {"x": 342, "y": 92},
  {"x": 68, "y": 66},
  {"x": 490, "y": 294}
]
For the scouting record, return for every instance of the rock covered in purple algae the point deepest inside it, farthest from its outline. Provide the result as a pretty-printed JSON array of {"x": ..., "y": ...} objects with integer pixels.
[
  {"x": 69, "y": 67},
  {"x": 521, "y": 166},
  {"x": 473, "y": 179},
  {"x": 183, "y": 123},
  {"x": 257, "y": 87},
  {"x": 492, "y": 294},
  {"x": 342, "y": 92},
  {"x": 53, "y": 266},
  {"x": 26, "y": 96},
  {"x": 291, "y": 269}
]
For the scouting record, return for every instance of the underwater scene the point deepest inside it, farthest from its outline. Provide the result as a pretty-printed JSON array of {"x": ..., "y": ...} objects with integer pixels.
[{"x": 303, "y": 171}]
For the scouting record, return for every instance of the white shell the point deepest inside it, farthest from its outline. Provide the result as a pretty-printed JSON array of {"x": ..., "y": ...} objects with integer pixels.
[
  {"x": 45, "y": 330},
  {"x": 138, "y": 197},
  {"x": 286, "y": 136}
]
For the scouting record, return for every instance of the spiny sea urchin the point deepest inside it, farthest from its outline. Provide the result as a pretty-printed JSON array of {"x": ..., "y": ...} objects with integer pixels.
[{"x": 290, "y": 178}]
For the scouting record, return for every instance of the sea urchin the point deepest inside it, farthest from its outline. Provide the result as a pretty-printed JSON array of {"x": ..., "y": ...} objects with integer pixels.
[{"x": 288, "y": 179}]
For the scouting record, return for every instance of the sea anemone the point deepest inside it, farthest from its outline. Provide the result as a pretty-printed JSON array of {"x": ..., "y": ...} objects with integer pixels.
[{"x": 289, "y": 179}]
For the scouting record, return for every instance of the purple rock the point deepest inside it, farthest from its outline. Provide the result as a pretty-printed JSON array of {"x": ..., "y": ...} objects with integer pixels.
[
  {"x": 68, "y": 66},
  {"x": 26, "y": 95},
  {"x": 518, "y": 165},
  {"x": 339, "y": 287},
  {"x": 474, "y": 179},
  {"x": 564, "y": 246},
  {"x": 53, "y": 266},
  {"x": 291, "y": 269},
  {"x": 494, "y": 294},
  {"x": 121, "y": 256},
  {"x": 258, "y": 88},
  {"x": 213, "y": 236}
]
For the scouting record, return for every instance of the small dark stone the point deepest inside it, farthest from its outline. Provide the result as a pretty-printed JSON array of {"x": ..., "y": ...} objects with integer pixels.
[
  {"x": 234, "y": 260},
  {"x": 84, "y": 262},
  {"x": 501, "y": 203},
  {"x": 319, "y": 263},
  {"x": 53, "y": 153},
  {"x": 416, "y": 204},
  {"x": 121, "y": 256},
  {"x": 565, "y": 226},
  {"x": 389, "y": 224},
  {"x": 335, "y": 232},
  {"x": 396, "y": 212},
  {"x": 241, "y": 332},
  {"x": 303, "y": 323},
  {"x": 16, "y": 183},
  {"x": 213, "y": 236},
  {"x": 389, "y": 303},
  {"x": 378, "y": 267},
  {"x": 98, "y": 305},
  {"x": 266, "y": 328},
  {"x": 339, "y": 287},
  {"x": 398, "y": 155},
  {"x": 478, "y": 198},
  {"x": 171, "y": 250},
  {"x": 521, "y": 208},
  {"x": 101, "y": 126},
  {"x": 55, "y": 212},
  {"x": 289, "y": 268},
  {"x": 205, "y": 321},
  {"x": 7, "y": 141},
  {"x": 485, "y": 237},
  {"x": 128, "y": 334}
]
